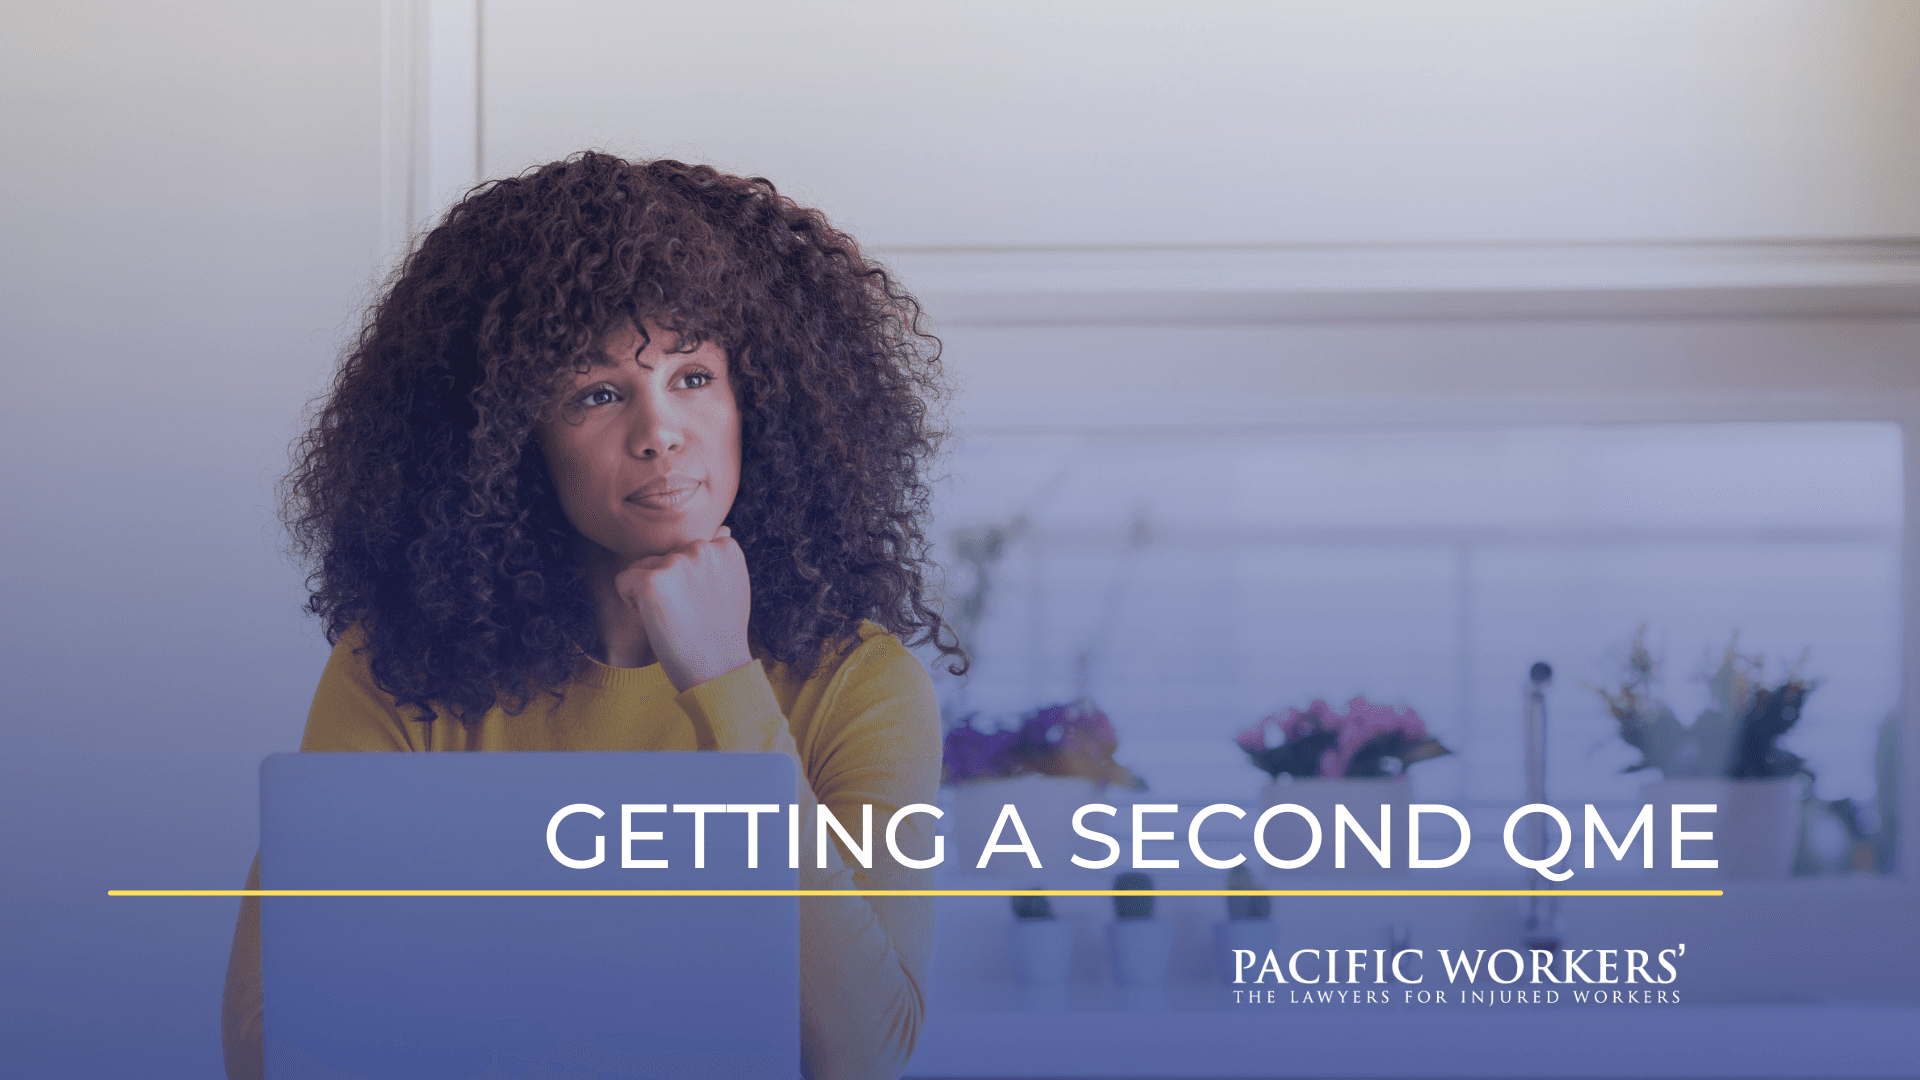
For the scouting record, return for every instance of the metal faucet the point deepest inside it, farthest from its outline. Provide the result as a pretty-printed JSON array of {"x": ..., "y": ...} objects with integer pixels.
[{"x": 1543, "y": 912}]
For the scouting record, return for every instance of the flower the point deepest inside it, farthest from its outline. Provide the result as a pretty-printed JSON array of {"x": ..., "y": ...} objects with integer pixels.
[
  {"x": 972, "y": 754},
  {"x": 1736, "y": 738},
  {"x": 1363, "y": 723},
  {"x": 1073, "y": 739},
  {"x": 1320, "y": 742}
]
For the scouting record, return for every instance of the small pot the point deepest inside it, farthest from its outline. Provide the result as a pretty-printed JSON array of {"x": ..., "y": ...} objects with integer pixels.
[
  {"x": 1254, "y": 935},
  {"x": 1041, "y": 951},
  {"x": 1139, "y": 951}
]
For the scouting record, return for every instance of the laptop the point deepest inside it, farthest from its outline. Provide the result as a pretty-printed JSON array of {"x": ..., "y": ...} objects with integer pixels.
[{"x": 488, "y": 988}]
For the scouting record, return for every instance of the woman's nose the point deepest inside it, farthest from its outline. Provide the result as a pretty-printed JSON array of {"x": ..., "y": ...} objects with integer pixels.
[{"x": 656, "y": 430}]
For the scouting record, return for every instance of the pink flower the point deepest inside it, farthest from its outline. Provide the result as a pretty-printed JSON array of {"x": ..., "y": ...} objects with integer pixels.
[
  {"x": 1263, "y": 735},
  {"x": 1362, "y": 723},
  {"x": 1317, "y": 741}
]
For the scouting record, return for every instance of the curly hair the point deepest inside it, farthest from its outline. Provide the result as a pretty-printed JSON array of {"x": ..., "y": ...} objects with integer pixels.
[{"x": 421, "y": 503}]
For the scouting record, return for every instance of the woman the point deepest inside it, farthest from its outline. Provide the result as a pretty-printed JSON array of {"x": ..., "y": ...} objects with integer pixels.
[{"x": 628, "y": 458}]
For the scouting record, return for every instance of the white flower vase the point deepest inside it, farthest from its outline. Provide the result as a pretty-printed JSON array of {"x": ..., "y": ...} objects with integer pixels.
[
  {"x": 1288, "y": 835},
  {"x": 1041, "y": 951},
  {"x": 1755, "y": 826},
  {"x": 1253, "y": 935},
  {"x": 1139, "y": 951},
  {"x": 1045, "y": 804}
]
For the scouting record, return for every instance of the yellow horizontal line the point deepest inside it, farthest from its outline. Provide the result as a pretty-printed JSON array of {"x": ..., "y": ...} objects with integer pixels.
[{"x": 913, "y": 892}]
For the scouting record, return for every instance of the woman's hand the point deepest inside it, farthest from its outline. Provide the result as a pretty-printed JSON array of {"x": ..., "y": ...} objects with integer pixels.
[{"x": 694, "y": 602}]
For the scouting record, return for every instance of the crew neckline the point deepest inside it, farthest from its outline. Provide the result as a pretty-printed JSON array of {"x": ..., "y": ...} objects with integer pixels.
[{"x": 595, "y": 673}]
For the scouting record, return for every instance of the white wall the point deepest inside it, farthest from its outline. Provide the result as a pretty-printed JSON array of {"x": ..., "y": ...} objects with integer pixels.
[
  {"x": 191, "y": 217},
  {"x": 1096, "y": 123}
]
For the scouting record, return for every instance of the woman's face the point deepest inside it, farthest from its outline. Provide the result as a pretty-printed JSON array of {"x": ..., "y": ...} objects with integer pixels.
[{"x": 645, "y": 450}]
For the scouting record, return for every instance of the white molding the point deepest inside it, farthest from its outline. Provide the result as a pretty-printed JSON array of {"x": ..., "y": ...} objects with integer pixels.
[
  {"x": 397, "y": 64},
  {"x": 1250, "y": 415},
  {"x": 1907, "y": 844},
  {"x": 430, "y": 112},
  {"x": 1264, "y": 284},
  {"x": 449, "y": 137}
]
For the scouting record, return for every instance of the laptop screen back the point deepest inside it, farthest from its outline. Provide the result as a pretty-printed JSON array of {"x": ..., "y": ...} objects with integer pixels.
[{"x": 471, "y": 987}]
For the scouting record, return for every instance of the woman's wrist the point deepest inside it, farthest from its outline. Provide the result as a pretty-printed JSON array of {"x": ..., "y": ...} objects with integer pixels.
[
  {"x": 737, "y": 710},
  {"x": 688, "y": 672}
]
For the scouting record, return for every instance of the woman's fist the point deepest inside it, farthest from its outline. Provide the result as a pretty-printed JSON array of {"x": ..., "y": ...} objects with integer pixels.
[{"x": 694, "y": 602}]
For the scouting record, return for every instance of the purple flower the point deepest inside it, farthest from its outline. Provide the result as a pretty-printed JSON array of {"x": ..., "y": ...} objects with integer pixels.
[
  {"x": 971, "y": 754},
  {"x": 1068, "y": 729},
  {"x": 1059, "y": 740}
]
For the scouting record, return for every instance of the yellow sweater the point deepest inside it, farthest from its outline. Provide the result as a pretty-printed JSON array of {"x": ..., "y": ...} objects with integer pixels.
[{"x": 864, "y": 729}]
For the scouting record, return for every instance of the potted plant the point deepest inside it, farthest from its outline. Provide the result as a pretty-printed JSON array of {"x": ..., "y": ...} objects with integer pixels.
[
  {"x": 1726, "y": 758},
  {"x": 1249, "y": 923},
  {"x": 1059, "y": 759},
  {"x": 1317, "y": 759},
  {"x": 1139, "y": 946},
  {"x": 1039, "y": 944}
]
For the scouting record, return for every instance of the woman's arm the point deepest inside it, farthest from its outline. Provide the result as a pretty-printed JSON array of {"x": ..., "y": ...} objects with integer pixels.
[
  {"x": 874, "y": 739},
  {"x": 242, "y": 1038}
]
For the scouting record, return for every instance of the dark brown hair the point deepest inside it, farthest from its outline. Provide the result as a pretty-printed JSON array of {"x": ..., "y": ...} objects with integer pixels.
[{"x": 419, "y": 496}]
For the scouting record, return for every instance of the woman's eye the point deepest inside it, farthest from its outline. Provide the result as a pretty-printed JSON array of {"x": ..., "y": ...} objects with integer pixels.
[
  {"x": 599, "y": 395},
  {"x": 694, "y": 380}
]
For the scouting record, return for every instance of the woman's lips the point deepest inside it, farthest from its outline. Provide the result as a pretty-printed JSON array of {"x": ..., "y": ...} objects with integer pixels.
[{"x": 669, "y": 493}]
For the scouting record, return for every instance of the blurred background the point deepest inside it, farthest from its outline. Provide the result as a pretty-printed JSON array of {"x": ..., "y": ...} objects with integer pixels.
[{"x": 1303, "y": 351}]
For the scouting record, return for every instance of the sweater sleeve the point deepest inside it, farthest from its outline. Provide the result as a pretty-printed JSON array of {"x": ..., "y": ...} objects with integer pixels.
[
  {"x": 242, "y": 1036},
  {"x": 876, "y": 740}
]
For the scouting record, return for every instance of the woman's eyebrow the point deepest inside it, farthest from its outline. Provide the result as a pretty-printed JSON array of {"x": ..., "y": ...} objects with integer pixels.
[{"x": 605, "y": 361}]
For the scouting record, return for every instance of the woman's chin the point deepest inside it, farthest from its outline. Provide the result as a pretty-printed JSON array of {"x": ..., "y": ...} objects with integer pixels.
[{"x": 658, "y": 542}]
